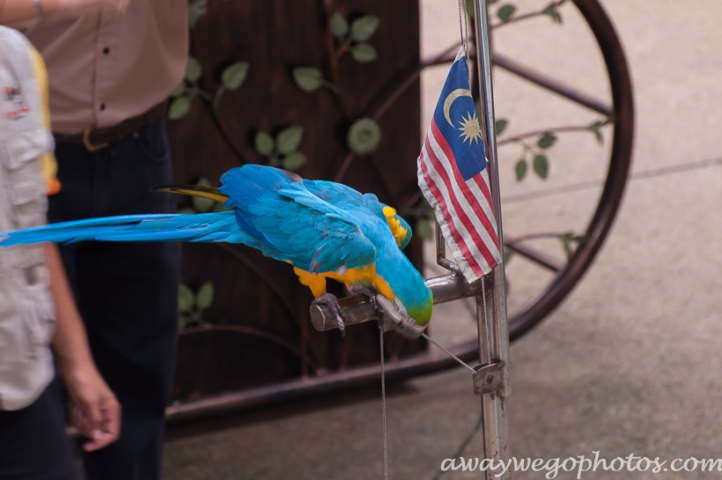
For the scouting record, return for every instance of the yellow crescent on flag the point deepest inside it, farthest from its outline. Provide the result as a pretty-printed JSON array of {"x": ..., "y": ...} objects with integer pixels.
[{"x": 459, "y": 92}]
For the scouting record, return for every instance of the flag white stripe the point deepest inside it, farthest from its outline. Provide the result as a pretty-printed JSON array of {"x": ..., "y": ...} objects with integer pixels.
[
  {"x": 461, "y": 198},
  {"x": 474, "y": 188},
  {"x": 458, "y": 196},
  {"x": 441, "y": 216},
  {"x": 485, "y": 205}
]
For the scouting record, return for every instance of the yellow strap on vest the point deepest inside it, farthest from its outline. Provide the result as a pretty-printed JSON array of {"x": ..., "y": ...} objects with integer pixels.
[{"x": 48, "y": 163}]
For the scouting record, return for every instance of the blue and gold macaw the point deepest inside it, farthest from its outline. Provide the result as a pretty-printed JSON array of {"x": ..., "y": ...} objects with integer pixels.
[{"x": 324, "y": 229}]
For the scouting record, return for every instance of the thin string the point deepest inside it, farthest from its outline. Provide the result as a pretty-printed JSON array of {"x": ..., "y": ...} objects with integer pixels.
[
  {"x": 460, "y": 361},
  {"x": 486, "y": 321},
  {"x": 383, "y": 405},
  {"x": 464, "y": 34}
]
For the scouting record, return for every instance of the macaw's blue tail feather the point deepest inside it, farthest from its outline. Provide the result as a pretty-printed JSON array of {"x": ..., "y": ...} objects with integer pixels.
[{"x": 205, "y": 227}]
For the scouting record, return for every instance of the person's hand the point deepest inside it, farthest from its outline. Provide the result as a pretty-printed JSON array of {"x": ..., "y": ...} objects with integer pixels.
[{"x": 96, "y": 412}]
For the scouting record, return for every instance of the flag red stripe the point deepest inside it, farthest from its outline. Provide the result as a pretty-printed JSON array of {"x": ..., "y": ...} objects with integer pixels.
[
  {"x": 480, "y": 244},
  {"x": 468, "y": 194},
  {"x": 458, "y": 239},
  {"x": 481, "y": 183}
]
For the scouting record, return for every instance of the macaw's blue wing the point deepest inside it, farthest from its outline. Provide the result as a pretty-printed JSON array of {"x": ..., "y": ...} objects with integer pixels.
[
  {"x": 351, "y": 200},
  {"x": 208, "y": 227},
  {"x": 292, "y": 224}
]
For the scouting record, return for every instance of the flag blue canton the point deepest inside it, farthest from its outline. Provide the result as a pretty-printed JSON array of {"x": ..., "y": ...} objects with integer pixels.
[{"x": 455, "y": 117}]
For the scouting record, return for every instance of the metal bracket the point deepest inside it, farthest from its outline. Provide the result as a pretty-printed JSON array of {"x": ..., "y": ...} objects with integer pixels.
[{"x": 488, "y": 378}]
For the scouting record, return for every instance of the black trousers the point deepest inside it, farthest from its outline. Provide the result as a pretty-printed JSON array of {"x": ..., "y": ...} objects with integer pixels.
[
  {"x": 33, "y": 444},
  {"x": 127, "y": 293}
]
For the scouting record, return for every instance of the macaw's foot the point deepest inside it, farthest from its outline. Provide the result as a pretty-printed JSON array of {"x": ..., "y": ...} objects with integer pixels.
[
  {"x": 357, "y": 289},
  {"x": 393, "y": 316},
  {"x": 331, "y": 302}
]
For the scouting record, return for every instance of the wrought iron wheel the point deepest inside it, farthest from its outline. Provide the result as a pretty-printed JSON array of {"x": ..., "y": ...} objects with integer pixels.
[{"x": 565, "y": 274}]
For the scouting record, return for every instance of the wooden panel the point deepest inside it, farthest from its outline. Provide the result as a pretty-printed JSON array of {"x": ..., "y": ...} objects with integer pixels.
[{"x": 253, "y": 292}]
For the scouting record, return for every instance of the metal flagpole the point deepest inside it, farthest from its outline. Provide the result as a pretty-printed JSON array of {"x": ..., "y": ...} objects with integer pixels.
[{"x": 492, "y": 379}]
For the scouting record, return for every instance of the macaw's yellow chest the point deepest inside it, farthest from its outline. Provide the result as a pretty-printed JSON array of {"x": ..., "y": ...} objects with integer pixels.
[{"x": 365, "y": 276}]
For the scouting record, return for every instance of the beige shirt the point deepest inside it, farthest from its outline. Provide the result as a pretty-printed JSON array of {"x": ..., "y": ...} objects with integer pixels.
[{"x": 106, "y": 66}]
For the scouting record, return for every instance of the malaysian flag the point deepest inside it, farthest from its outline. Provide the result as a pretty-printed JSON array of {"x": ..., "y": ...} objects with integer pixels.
[{"x": 453, "y": 177}]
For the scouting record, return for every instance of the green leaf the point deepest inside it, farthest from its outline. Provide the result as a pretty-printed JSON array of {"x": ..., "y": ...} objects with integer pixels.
[
  {"x": 594, "y": 128},
  {"x": 363, "y": 28},
  {"x": 565, "y": 239},
  {"x": 179, "y": 90},
  {"x": 508, "y": 253},
  {"x": 274, "y": 161},
  {"x": 309, "y": 79},
  {"x": 520, "y": 169},
  {"x": 289, "y": 139},
  {"x": 547, "y": 140},
  {"x": 363, "y": 53},
  {"x": 294, "y": 161},
  {"x": 338, "y": 24},
  {"x": 470, "y": 8},
  {"x": 541, "y": 165},
  {"x": 506, "y": 11},
  {"x": 204, "y": 297},
  {"x": 193, "y": 70},
  {"x": 187, "y": 210},
  {"x": 552, "y": 11},
  {"x": 186, "y": 299},
  {"x": 424, "y": 230},
  {"x": 178, "y": 108},
  {"x": 234, "y": 75},
  {"x": 196, "y": 9},
  {"x": 364, "y": 136},
  {"x": 183, "y": 321},
  {"x": 201, "y": 204},
  {"x": 500, "y": 125},
  {"x": 264, "y": 143},
  {"x": 489, "y": 2}
]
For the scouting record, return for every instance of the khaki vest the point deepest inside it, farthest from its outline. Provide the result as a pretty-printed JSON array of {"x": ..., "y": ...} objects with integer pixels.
[{"x": 26, "y": 308}]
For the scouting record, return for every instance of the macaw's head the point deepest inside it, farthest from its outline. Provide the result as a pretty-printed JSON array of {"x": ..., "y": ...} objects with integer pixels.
[
  {"x": 421, "y": 311},
  {"x": 399, "y": 227},
  {"x": 406, "y": 285}
]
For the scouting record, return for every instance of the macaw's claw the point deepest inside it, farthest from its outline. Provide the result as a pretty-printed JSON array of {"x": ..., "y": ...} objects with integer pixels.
[
  {"x": 331, "y": 302},
  {"x": 357, "y": 289}
]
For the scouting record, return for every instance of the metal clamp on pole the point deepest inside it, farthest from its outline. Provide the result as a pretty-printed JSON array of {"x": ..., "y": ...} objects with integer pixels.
[{"x": 488, "y": 378}]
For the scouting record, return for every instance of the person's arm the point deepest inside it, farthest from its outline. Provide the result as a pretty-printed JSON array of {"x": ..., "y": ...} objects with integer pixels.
[
  {"x": 12, "y": 11},
  {"x": 96, "y": 411}
]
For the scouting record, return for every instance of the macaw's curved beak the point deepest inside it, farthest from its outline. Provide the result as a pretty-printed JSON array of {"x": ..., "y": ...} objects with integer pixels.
[{"x": 396, "y": 318}]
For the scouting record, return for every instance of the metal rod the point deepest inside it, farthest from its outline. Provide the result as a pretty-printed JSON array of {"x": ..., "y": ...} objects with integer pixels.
[
  {"x": 458, "y": 360},
  {"x": 360, "y": 309},
  {"x": 535, "y": 256},
  {"x": 552, "y": 85},
  {"x": 383, "y": 405},
  {"x": 493, "y": 406}
]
